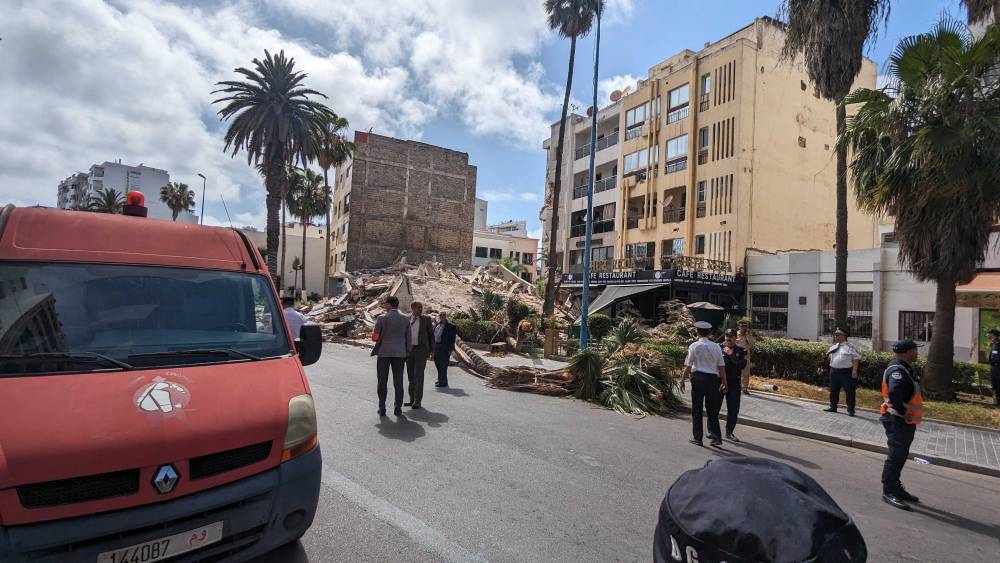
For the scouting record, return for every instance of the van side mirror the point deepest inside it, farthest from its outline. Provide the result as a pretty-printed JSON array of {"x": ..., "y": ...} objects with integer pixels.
[{"x": 310, "y": 344}]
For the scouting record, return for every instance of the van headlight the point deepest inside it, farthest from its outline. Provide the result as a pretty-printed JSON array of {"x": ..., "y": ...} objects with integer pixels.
[{"x": 300, "y": 436}]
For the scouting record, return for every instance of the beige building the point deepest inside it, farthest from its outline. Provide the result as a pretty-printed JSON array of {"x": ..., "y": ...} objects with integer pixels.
[
  {"x": 315, "y": 250},
  {"x": 715, "y": 155}
]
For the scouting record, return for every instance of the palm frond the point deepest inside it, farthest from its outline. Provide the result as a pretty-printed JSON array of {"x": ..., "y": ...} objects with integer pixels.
[
  {"x": 572, "y": 18},
  {"x": 586, "y": 367}
]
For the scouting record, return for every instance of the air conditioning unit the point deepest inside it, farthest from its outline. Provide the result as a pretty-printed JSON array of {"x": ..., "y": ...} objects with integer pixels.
[{"x": 630, "y": 181}]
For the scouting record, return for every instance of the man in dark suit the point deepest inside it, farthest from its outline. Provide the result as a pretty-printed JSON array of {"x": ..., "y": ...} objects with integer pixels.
[
  {"x": 392, "y": 341},
  {"x": 421, "y": 344},
  {"x": 444, "y": 345}
]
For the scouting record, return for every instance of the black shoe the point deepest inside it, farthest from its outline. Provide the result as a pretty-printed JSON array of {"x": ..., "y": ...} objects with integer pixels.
[
  {"x": 746, "y": 392},
  {"x": 831, "y": 409},
  {"x": 438, "y": 384},
  {"x": 893, "y": 500},
  {"x": 714, "y": 437},
  {"x": 397, "y": 411},
  {"x": 850, "y": 413},
  {"x": 697, "y": 442},
  {"x": 732, "y": 438},
  {"x": 904, "y": 495},
  {"x": 415, "y": 407},
  {"x": 408, "y": 403},
  {"x": 716, "y": 441},
  {"x": 381, "y": 412}
]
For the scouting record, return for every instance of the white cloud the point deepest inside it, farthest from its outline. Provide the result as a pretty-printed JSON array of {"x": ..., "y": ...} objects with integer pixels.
[
  {"x": 509, "y": 194},
  {"x": 530, "y": 196},
  {"x": 618, "y": 11},
  {"x": 608, "y": 85}
]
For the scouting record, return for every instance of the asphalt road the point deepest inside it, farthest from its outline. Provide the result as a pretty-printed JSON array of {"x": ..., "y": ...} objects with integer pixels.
[{"x": 490, "y": 475}]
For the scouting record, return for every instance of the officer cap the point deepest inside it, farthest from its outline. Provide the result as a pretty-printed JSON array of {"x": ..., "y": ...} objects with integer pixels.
[
  {"x": 769, "y": 512},
  {"x": 703, "y": 325},
  {"x": 730, "y": 332},
  {"x": 904, "y": 346},
  {"x": 843, "y": 331}
]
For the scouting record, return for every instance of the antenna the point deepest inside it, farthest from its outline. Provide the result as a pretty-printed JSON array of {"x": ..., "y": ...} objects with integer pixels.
[{"x": 227, "y": 211}]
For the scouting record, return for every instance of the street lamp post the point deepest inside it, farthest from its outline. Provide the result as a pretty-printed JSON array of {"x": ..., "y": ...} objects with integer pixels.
[
  {"x": 585, "y": 300},
  {"x": 201, "y": 216}
]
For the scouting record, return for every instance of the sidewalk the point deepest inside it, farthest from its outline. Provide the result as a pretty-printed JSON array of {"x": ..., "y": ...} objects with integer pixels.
[{"x": 960, "y": 447}]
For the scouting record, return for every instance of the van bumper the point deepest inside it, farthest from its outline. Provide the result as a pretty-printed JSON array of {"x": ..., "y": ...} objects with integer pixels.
[{"x": 259, "y": 514}]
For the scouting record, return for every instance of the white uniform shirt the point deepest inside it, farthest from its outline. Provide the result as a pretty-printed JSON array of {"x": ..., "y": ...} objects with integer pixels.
[
  {"x": 295, "y": 321},
  {"x": 705, "y": 356},
  {"x": 842, "y": 355},
  {"x": 414, "y": 331}
]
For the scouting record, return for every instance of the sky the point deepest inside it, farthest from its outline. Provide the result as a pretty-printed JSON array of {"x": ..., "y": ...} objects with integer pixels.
[{"x": 85, "y": 81}]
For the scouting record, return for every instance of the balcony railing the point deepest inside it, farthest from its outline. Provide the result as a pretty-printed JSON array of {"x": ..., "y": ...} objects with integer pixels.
[
  {"x": 633, "y": 132},
  {"x": 635, "y": 263},
  {"x": 678, "y": 114},
  {"x": 601, "y": 185},
  {"x": 676, "y": 165},
  {"x": 632, "y": 223},
  {"x": 602, "y": 143},
  {"x": 702, "y": 156},
  {"x": 700, "y": 210},
  {"x": 600, "y": 226},
  {"x": 674, "y": 215},
  {"x": 703, "y": 102}
]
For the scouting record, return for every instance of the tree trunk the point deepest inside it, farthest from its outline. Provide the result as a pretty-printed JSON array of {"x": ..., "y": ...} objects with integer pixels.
[
  {"x": 326, "y": 252},
  {"x": 550, "y": 284},
  {"x": 273, "y": 184},
  {"x": 284, "y": 246},
  {"x": 840, "y": 280},
  {"x": 305, "y": 224},
  {"x": 937, "y": 378}
]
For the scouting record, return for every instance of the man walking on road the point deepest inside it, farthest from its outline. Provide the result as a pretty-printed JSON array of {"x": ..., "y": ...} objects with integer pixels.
[
  {"x": 994, "y": 361},
  {"x": 844, "y": 362},
  {"x": 902, "y": 410},
  {"x": 736, "y": 359},
  {"x": 745, "y": 340},
  {"x": 392, "y": 341},
  {"x": 706, "y": 367},
  {"x": 421, "y": 344},
  {"x": 444, "y": 345}
]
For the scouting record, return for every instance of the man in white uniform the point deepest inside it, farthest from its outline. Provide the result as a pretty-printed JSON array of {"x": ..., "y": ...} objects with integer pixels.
[
  {"x": 844, "y": 363},
  {"x": 293, "y": 318},
  {"x": 706, "y": 366}
]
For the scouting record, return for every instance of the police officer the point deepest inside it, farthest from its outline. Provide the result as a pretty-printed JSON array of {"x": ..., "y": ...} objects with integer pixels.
[
  {"x": 706, "y": 367},
  {"x": 844, "y": 363},
  {"x": 902, "y": 410},
  {"x": 994, "y": 360},
  {"x": 736, "y": 360}
]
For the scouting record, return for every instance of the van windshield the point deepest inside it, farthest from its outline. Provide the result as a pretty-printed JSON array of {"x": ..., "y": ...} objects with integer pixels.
[{"x": 63, "y": 317}]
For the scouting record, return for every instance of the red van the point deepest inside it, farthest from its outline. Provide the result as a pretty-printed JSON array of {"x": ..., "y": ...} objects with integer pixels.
[{"x": 152, "y": 402}]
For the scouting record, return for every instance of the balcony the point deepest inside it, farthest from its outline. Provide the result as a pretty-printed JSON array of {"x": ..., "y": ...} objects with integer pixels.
[
  {"x": 678, "y": 114},
  {"x": 600, "y": 226},
  {"x": 674, "y": 215},
  {"x": 603, "y": 143},
  {"x": 700, "y": 210},
  {"x": 676, "y": 165},
  {"x": 703, "y": 156},
  {"x": 632, "y": 223},
  {"x": 633, "y": 132},
  {"x": 703, "y": 102},
  {"x": 604, "y": 184},
  {"x": 636, "y": 263}
]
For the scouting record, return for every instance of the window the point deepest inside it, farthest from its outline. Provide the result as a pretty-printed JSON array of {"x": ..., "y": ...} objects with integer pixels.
[
  {"x": 480, "y": 252},
  {"x": 98, "y": 171},
  {"x": 642, "y": 254},
  {"x": 700, "y": 199},
  {"x": 672, "y": 247},
  {"x": 637, "y": 160},
  {"x": 98, "y": 184},
  {"x": 496, "y": 253},
  {"x": 703, "y": 138},
  {"x": 635, "y": 116},
  {"x": 656, "y": 106},
  {"x": 769, "y": 311},
  {"x": 859, "y": 313},
  {"x": 889, "y": 240},
  {"x": 527, "y": 258},
  {"x": 699, "y": 244},
  {"x": 602, "y": 253},
  {"x": 916, "y": 325},
  {"x": 343, "y": 229},
  {"x": 679, "y": 100},
  {"x": 677, "y": 148},
  {"x": 706, "y": 83},
  {"x": 347, "y": 203}
]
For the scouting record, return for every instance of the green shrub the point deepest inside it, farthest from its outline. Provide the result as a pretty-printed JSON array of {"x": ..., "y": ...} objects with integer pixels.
[
  {"x": 586, "y": 368},
  {"x": 517, "y": 312},
  {"x": 672, "y": 353},
  {"x": 806, "y": 361},
  {"x": 479, "y": 332},
  {"x": 572, "y": 346},
  {"x": 460, "y": 315},
  {"x": 599, "y": 325},
  {"x": 492, "y": 302}
]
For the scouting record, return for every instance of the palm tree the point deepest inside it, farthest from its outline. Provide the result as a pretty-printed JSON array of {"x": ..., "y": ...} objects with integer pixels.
[
  {"x": 178, "y": 198},
  {"x": 572, "y": 19},
  {"x": 296, "y": 266},
  {"x": 982, "y": 10},
  {"x": 831, "y": 35},
  {"x": 927, "y": 151},
  {"x": 106, "y": 200},
  {"x": 306, "y": 199},
  {"x": 275, "y": 122},
  {"x": 332, "y": 150},
  {"x": 511, "y": 265}
]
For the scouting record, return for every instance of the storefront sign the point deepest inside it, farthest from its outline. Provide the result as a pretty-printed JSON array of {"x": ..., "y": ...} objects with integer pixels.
[{"x": 681, "y": 278}]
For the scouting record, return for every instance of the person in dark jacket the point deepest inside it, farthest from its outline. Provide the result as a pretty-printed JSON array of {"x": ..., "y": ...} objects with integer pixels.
[
  {"x": 444, "y": 344},
  {"x": 994, "y": 361},
  {"x": 902, "y": 410},
  {"x": 736, "y": 359},
  {"x": 421, "y": 345}
]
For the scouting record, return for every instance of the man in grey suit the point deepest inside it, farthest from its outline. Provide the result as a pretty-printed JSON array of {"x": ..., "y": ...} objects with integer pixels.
[
  {"x": 421, "y": 345},
  {"x": 392, "y": 341}
]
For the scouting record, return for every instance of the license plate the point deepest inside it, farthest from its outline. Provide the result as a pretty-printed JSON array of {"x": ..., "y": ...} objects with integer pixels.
[{"x": 163, "y": 548}]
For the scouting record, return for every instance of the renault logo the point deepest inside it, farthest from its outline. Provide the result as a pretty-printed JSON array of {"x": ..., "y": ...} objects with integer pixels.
[{"x": 165, "y": 479}]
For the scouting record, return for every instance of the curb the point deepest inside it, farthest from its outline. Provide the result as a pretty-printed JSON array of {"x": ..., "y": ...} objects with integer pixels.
[{"x": 856, "y": 444}]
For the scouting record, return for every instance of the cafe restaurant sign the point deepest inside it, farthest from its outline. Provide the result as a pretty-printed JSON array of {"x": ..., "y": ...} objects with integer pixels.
[{"x": 678, "y": 277}]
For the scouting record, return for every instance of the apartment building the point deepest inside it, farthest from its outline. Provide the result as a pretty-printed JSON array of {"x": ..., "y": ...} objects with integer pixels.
[
  {"x": 508, "y": 239},
  {"x": 399, "y": 198},
  {"x": 75, "y": 191},
  {"x": 719, "y": 153}
]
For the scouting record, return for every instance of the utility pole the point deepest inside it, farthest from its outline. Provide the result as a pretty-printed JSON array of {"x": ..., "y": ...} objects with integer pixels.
[
  {"x": 585, "y": 300},
  {"x": 201, "y": 216}
]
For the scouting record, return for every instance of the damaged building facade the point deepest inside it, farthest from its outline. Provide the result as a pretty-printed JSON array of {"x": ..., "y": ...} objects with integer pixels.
[{"x": 403, "y": 199}]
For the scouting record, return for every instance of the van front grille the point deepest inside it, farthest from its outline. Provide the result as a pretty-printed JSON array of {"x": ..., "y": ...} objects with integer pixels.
[
  {"x": 221, "y": 462},
  {"x": 79, "y": 489}
]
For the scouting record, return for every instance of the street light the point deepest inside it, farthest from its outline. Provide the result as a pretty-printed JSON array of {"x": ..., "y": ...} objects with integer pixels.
[
  {"x": 201, "y": 217},
  {"x": 585, "y": 300}
]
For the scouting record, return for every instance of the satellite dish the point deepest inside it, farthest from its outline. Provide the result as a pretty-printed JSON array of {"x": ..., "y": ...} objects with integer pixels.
[
  {"x": 590, "y": 111},
  {"x": 616, "y": 95},
  {"x": 626, "y": 90}
]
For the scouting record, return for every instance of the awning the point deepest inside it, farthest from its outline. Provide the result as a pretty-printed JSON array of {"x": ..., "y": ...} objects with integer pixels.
[
  {"x": 615, "y": 293},
  {"x": 982, "y": 292}
]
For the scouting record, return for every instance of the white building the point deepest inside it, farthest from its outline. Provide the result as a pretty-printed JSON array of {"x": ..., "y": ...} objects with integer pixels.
[
  {"x": 509, "y": 239},
  {"x": 315, "y": 251},
  {"x": 791, "y": 295},
  {"x": 74, "y": 191}
]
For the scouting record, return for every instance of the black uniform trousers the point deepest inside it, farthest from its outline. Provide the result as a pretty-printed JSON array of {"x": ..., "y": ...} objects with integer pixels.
[
  {"x": 382, "y": 366},
  {"x": 705, "y": 395},
  {"x": 841, "y": 378},
  {"x": 995, "y": 382},
  {"x": 441, "y": 361},
  {"x": 899, "y": 436},
  {"x": 733, "y": 393},
  {"x": 415, "y": 365}
]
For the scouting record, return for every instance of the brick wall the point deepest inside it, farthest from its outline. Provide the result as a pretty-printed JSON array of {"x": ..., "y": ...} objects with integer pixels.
[{"x": 410, "y": 196}]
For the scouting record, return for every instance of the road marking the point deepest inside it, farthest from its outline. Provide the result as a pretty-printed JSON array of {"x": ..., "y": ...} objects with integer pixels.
[{"x": 409, "y": 524}]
